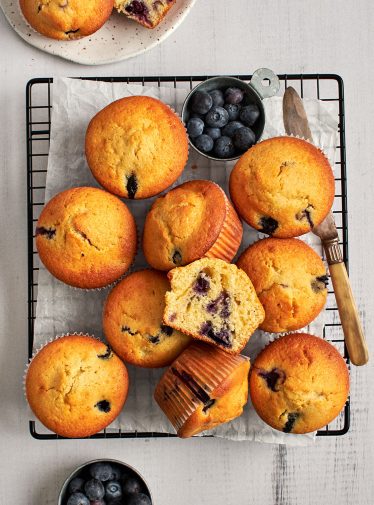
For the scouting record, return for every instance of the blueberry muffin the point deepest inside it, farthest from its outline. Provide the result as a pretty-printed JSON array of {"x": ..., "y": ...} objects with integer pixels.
[
  {"x": 203, "y": 388},
  {"x": 76, "y": 386},
  {"x": 136, "y": 147},
  {"x": 290, "y": 280},
  {"x": 148, "y": 13},
  {"x": 213, "y": 301},
  {"x": 299, "y": 383},
  {"x": 283, "y": 187},
  {"x": 86, "y": 237},
  {"x": 133, "y": 324},
  {"x": 191, "y": 221},
  {"x": 66, "y": 19}
]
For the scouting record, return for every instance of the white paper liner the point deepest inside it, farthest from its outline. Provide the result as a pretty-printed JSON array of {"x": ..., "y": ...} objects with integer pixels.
[{"x": 61, "y": 309}]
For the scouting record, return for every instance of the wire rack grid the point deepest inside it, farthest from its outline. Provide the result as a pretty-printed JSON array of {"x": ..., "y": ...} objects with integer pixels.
[{"x": 325, "y": 87}]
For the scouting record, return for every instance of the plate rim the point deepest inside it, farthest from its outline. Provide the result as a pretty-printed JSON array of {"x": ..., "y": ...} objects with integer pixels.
[{"x": 105, "y": 61}]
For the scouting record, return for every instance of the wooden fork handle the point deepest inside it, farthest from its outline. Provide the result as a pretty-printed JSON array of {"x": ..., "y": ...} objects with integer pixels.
[{"x": 353, "y": 331}]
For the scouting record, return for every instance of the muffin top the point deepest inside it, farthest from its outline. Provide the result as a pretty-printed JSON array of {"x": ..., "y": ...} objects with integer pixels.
[
  {"x": 299, "y": 383},
  {"x": 213, "y": 301},
  {"x": 66, "y": 19},
  {"x": 183, "y": 225},
  {"x": 283, "y": 186},
  {"x": 136, "y": 147},
  {"x": 203, "y": 388},
  {"x": 290, "y": 280},
  {"x": 76, "y": 386},
  {"x": 86, "y": 237},
  {"x": 133, "y": 324}
]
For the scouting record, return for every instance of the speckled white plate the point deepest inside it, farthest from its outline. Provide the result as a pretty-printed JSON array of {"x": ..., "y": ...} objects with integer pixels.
[{"x": 119, "y": 39}]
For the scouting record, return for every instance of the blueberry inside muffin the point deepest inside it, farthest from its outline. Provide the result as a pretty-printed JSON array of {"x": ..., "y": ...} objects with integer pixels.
[
  {"x": 148, "y": 13},
  {"x": 214, "y": 301}
]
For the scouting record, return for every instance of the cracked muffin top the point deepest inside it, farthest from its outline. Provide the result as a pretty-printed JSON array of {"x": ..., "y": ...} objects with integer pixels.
[
  {"x": 203, "y": 388},
  {"x": 136, "y": 147},
  {"x": 86, "y": 237},
  {"x": 76, "y": 386},
  {"x": 148, "y": 13},
  {"x": 299, "y": 383},
  {"x": 191, "y": 221},
  {"x": 290, "y": 281},
  {"x": 133, "y": 325},
  {"x": 283, "y": 187},
  {"x": 66, "y": 19}
]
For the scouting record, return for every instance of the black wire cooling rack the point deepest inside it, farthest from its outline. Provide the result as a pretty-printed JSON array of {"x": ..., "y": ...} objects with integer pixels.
[{"x": 326, "y": 87}]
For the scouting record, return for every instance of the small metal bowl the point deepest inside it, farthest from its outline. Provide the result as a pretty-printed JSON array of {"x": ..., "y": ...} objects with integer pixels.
[
  {"x": 83, "y": 470},
  {"x": 254, "y": 92}
]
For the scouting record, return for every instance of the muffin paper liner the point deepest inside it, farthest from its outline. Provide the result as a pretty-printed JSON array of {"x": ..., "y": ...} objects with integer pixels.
[
  {"x": 207, "y": 367},
  {"x": 228, "y": 241}
]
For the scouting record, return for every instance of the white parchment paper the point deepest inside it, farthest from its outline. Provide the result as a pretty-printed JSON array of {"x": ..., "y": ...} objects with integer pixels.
[{"x": 62, "y": 309}]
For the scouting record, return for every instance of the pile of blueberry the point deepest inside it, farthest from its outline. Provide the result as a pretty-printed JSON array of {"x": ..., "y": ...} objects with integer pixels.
[
  {"x": 107, "y": 484},
  {"x": 220, "y": 124}
]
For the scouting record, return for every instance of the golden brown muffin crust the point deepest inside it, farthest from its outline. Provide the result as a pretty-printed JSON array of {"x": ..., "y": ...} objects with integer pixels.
[
  {"x": 136, "y": 147},
  {"x": 133, "y": 324},
  {"x": 299, "y": 383},
  {"x": 203, "y": 388},
  {"x": 76, "y": 386},
  {"x": 290, "y": 280},
  {"x": 183, "y": 225},
  {"x": 283, "y": 186},
  {"x": 66, "y": 19},
  {"x": 86, "y": 237}
]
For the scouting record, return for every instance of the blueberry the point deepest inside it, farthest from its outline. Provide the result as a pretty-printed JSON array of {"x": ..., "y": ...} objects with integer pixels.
[
  {"x": 268, "y": 225},
  {"x": 103, "y": 406},
  {"x": 233, "y": 110},
  {"x": 274, "y": 378},
  {"x": 291, "y": 420},
  {"x": 217, "y": 117},
  {"x": 224, "y": 147},
  {"x": 244, "y": 138},
  {"x": 167, "y": 330},
  {"x": 204, "y": 143},
  {"x": 249, "y": 114},
  {"x": 202, "y": 284},
  {"x": 138, "y": 499},
  {"x": 320, "y": 283},
  {"x": 231, "y": 128},
  {"x": 233, "y": 95},
  {"x": 132, "y": 485},
  {"x": 217, "y": 97},
  {"x": 214, "y": 133},
  {"x": 195, "y": 127},
  {"x": 201, "y": 102},
  {"x": 101, "y": 471},
  {"x": 47, "y": 232},
  {"x": 177, "y": 258},
  {"x": 94, "y": 489},
  {"x": 75, "y": 485},
  {"x": 132, "y": 186},
  {"x": 78, "y": 499},
  {"x": 113, "y": 490}
]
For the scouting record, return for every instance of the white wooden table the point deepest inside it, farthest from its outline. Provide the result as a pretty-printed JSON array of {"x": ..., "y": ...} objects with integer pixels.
[{"x": 218, "y": 37}]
